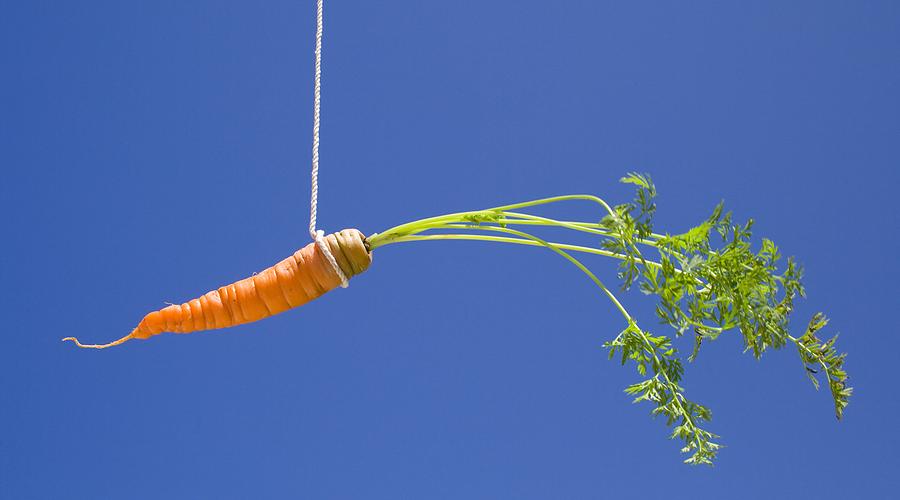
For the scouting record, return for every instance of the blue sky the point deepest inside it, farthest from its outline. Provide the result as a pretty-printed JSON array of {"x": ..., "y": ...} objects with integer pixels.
[{"x": 152, "y": 151}]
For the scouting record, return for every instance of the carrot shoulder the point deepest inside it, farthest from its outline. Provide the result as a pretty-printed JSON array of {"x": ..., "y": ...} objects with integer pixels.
[{"x": 296, "y": 280}]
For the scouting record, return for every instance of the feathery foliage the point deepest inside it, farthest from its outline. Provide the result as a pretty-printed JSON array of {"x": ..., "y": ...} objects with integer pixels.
[{"x": 708, "y": 279}]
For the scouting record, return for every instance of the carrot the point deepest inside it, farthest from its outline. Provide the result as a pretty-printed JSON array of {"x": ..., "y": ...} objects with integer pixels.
[
  {"x": 296, "y": 280},
  {"x": 703, "y": 286}
]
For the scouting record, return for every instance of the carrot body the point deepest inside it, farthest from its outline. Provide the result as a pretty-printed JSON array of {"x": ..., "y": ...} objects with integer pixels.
[{"x": 294, "y": 281}]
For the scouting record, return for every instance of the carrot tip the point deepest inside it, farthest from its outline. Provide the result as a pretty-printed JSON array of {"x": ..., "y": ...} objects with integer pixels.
[{"x": 98, "y": 346}]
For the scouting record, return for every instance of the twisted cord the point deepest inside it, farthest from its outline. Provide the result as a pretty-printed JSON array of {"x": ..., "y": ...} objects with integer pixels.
[{"x": 319, "y": 235}]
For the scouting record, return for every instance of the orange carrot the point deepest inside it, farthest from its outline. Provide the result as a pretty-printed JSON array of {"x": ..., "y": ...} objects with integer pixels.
[{"x": 294, "y": 281}]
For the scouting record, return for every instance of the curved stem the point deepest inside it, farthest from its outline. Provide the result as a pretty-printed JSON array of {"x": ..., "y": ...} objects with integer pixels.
[
  {"x": 516, "y": 241},
  {"x": 527, "y": 239},
  {"x": 377, "y": 239},
  {"x": 818, "y": 359},
  {"x": 577, "y": 226},
  {"x": 544, "y": 201},
  {"x": 588, "y": 227},
  {"x": 575, "y": 261}
]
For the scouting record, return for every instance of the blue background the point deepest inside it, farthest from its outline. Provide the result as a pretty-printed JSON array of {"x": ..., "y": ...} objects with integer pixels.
[{"x": 152, "y": 151}]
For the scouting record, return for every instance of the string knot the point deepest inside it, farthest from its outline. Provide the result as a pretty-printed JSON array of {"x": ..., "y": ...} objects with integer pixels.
[{"x": 319, "y": 236}]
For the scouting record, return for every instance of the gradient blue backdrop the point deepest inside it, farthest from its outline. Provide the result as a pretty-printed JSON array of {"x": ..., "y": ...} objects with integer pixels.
[{"x": 153, "y": 150}]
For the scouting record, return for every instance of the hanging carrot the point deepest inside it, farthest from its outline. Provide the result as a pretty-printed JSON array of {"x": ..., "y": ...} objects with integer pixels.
[
  {"x": 709, "y": 281},
  {"x": 294, "y": 281}
]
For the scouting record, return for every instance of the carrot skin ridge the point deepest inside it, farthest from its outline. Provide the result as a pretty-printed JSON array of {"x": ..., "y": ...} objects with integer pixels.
[{"x": 300, "y": 278}]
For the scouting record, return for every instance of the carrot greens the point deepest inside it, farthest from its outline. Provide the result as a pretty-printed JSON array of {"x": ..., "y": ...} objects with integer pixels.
[{"x": 708, "y": 280}]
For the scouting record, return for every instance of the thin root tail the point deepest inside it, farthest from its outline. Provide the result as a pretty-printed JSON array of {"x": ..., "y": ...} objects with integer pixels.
[{"x": 100, "y": 346}]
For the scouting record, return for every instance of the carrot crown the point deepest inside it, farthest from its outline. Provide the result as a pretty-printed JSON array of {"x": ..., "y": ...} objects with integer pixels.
[{"x": 709, "y": 280}]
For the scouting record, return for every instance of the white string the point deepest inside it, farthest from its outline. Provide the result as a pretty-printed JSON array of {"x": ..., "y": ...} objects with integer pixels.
[{"x": 319, "y": 235}]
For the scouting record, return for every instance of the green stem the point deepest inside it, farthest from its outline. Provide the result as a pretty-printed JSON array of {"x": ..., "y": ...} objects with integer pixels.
[
  {"x": 818, "y": 358},
  {"x": 473, "y": 237},
  {"x": 554, "y": 199},
  {"x": 571, "y": 259},
  {"x": 516, "y": 241},
  {"x": 577, "y": 226},
  {"x": 377, "y": 240}
]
